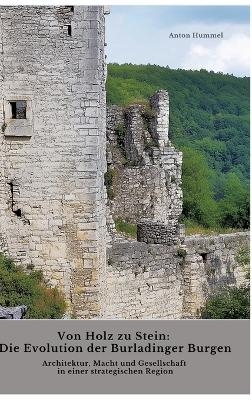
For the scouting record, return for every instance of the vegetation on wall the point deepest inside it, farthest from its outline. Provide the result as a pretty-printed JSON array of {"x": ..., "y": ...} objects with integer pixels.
[
  {"x": 18, "y": 287},
  {"x": 108, "y": 182},
  {"x": 126, "y": 228},
  {"x": 120, "y": 133},
  {"x": 243, "y": 259},
  {"x": 209, "y": 122},
  {"x": 229, "y": 303}
]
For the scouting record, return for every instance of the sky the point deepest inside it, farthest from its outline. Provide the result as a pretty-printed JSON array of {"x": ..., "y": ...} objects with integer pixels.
[{"x": 140, "y": 35}]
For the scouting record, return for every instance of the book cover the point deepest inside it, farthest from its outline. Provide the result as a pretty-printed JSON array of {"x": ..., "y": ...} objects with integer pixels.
[{"x": 124, "y": 199}]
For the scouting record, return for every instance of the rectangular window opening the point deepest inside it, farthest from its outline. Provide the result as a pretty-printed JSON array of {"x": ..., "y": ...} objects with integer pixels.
[
  {"x": 18, "y": 109},
  {"x": 69, "y": 30}
]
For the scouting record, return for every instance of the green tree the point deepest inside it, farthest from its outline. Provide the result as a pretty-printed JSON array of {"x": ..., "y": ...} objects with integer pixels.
[
  {"x": 198, "y": 202},
  {"x": 234, "y": 206},
  {"x": 210, "y": 113}
]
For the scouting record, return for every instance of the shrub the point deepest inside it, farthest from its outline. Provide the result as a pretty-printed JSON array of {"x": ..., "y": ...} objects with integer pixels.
[
  {"x": 228, "y": 303},
  {"x": 19, "y": 287}
]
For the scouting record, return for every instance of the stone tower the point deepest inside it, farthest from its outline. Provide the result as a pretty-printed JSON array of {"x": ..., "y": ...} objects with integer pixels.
[{"x": 52, "y": 146}]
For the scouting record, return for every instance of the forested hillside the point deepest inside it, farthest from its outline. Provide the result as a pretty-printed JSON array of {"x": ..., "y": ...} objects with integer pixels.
[{"x": 209, "y": 122}]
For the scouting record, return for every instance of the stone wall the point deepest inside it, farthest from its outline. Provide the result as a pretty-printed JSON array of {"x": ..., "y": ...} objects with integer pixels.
[
  {"x": 140, "y": 192},
  {"x": 211, "y": 262},
  {"x": 143, "y": 281},
  {"x": 160, "y": 125},
  {"x": 134, "y": 144},
  {"x": 53, "y": 160},
  {"x": 171, "y": 282},
  {"x": 146, "y": 168},
  {"x": 156, "y": 233}
]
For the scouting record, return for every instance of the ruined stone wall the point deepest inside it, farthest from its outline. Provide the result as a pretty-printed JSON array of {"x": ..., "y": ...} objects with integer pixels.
[
  {"x": 171, "y": 282},
  {"x": 52, "y": 162},
  {"x": 159, "y": 126},
  {"x": 147, "y": 195},
  {"x": 143, "y": 281},
  {"x": 211, "y": 262},
  {"x": 146, "y": 168}
]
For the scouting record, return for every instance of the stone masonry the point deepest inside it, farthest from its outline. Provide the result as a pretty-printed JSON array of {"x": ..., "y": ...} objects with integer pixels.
[
  {"x": 52, "y": 147},
  {"x": 160, "y": 124},
  {"x": 146, "y": 169},
  {"x": 149, "y": 281}
]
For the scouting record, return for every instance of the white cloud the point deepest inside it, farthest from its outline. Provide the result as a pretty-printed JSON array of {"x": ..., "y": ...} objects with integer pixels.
[
  {"x": 229, "y": 55},
  {"x": 199, "y": 51},
  {"x": 140, "y": 42}
]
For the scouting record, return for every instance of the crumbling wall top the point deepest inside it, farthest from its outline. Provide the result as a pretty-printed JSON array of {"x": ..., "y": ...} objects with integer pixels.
[{"x": 160, "y": 126}]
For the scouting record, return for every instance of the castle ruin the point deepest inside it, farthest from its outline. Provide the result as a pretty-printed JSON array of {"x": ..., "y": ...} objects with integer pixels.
[
  {"x": 162, "y": 274},
  {"x": 148, "y": 186},
  {"x": 54, "y": 211}
]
